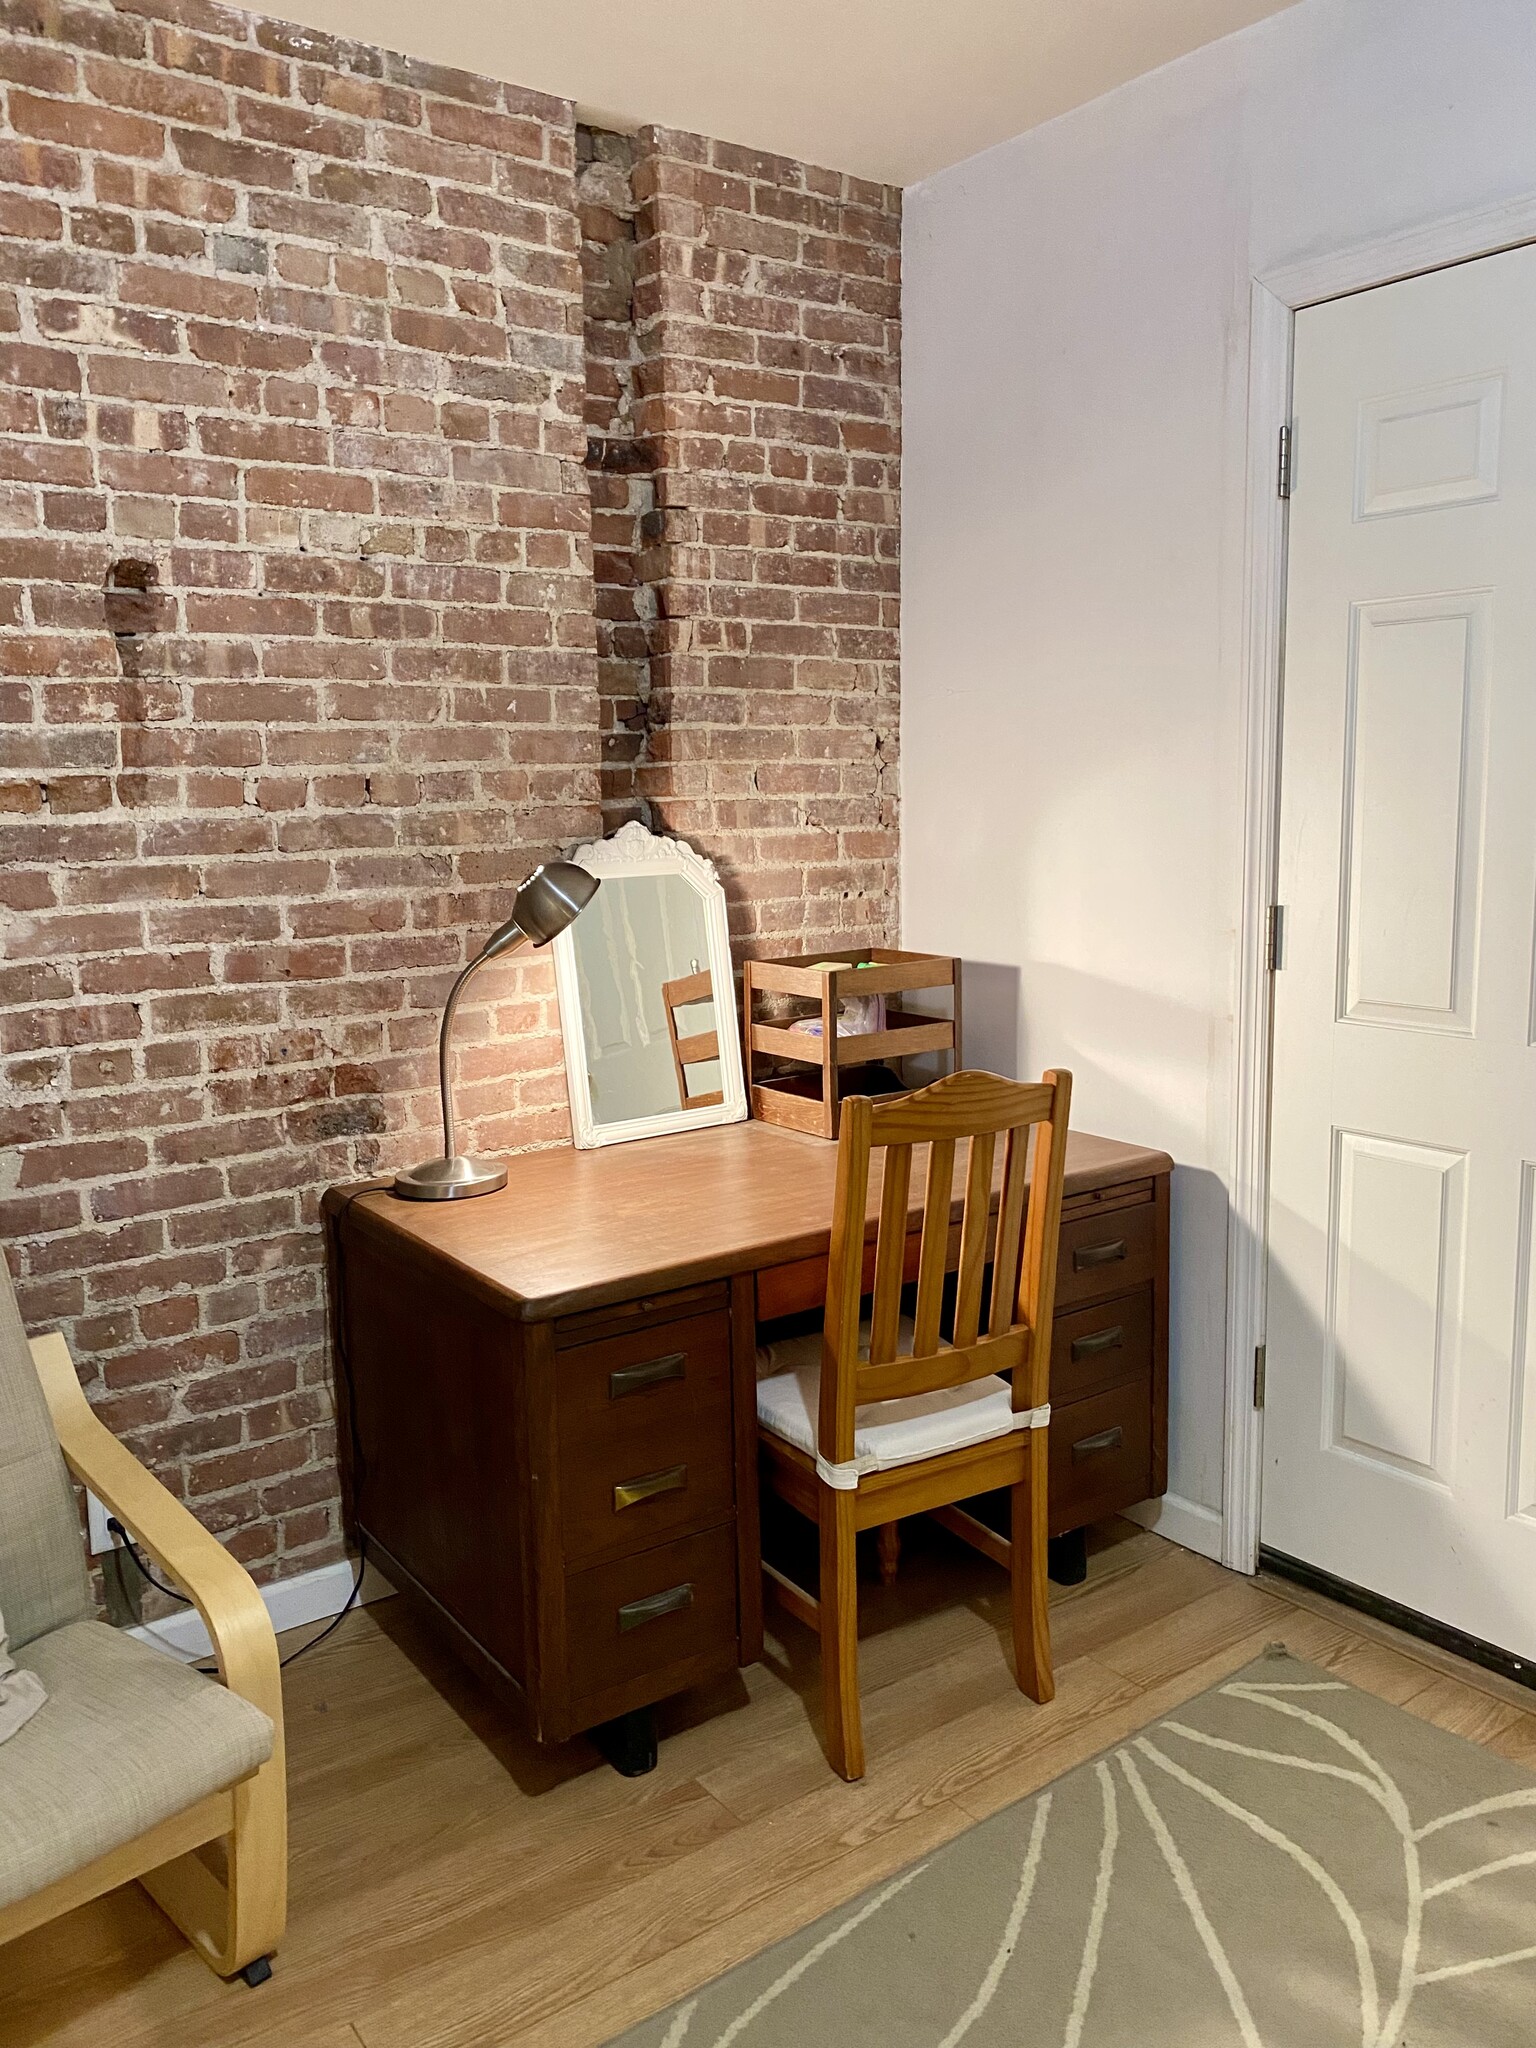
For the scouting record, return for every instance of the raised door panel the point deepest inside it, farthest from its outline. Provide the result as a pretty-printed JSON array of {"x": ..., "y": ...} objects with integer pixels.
[
  {"x": 1416, "y": 450},
  {"x": 1394, "y": 1282},
  {"x": 1413, "y": 794},
  {"x": 1522, "y": 1473}
]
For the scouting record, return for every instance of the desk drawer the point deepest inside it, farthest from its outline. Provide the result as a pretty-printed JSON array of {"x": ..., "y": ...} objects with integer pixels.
[
  {"x": 1101, "y": 1456},
  {"x": 646, "y": 1449},
  {"x": 1108, "y": 1254},
  {"x": 671, "y": 1606},
  {"x": 1103, "y": 1346}
]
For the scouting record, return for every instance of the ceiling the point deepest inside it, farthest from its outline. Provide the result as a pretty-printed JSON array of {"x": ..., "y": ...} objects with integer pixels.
[{"x": 890, "y": 89}]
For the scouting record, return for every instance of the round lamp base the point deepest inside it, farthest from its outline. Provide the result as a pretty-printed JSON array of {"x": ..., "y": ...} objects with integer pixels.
[{"x": 450, "y": 1180}]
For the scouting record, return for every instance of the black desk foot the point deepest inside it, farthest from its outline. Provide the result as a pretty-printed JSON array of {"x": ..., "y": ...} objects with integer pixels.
[
  {"x": 257, "y": 1972},
  {"x": 1067, "y": 1557},
  {"x": 628, "y": 1742}
]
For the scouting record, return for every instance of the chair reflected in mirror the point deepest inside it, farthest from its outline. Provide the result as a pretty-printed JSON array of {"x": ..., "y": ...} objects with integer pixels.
[{"x": 692, "y": 1046}]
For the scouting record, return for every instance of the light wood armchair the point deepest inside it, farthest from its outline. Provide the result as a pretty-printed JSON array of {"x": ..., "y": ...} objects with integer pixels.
[
  {"x": 843, "y": 1441},
  {"x": 236, "y": 1923}
]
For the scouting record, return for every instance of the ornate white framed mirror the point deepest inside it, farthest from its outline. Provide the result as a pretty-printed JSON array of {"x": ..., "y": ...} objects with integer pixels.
[{"x": 647, "y": 1000}]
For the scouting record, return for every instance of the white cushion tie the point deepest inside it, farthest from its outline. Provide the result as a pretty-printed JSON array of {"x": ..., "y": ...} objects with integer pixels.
[{"x": 845, "y": 1478}]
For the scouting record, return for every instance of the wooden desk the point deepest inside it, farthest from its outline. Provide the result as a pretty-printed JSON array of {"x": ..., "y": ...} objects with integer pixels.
[{"x": 551, "y": 1391}]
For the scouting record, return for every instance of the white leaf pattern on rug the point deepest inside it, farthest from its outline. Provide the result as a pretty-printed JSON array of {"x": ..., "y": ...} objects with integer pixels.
[{"x": 1248, "y": 1871}]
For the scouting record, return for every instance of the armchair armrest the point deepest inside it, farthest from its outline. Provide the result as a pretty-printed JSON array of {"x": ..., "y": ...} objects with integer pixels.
[
  {"x": 238, "y": 1922},
  {"x": 218, "y": 1585}
]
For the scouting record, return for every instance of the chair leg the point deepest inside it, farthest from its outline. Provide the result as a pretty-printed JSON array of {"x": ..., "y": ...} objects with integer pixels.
[
  {"x": 840, "y": 1634},
  {"x": 888, "y": 1543},
  {"x": 1028, "y": 1573},
  {"x": 239, "y": 1923}
]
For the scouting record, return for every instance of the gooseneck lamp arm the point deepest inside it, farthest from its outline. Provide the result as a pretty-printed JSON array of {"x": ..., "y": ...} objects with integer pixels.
[
  {"x": 546, "y": 903},
  {"x": 445, "y": 1036}
]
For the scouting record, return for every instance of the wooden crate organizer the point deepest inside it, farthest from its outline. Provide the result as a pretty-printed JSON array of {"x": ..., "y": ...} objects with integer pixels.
[{"x": 811, "y": 1101}]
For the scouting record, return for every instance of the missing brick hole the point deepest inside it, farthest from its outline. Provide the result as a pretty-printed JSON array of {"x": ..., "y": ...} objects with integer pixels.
[{"x": 130, "y": 597}]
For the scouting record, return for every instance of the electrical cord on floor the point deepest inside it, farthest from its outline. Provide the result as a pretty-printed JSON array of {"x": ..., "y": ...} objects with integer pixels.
[
  {"x": 344, "y": 1360},
  {"x": 115, "y": 1528},
  {"x": 343, "y": 1611}
]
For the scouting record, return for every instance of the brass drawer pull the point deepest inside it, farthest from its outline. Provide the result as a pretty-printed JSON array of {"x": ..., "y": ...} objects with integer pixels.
[
  {"x": 636, "y": 1613},
  {"x": 631, "y": 1491},
  {"x": 634, "y": 1379},
  {"x": 1107, "y": 1254},
  {"x": 1111, "y": 1339},
  {"x": 1090, "y": 1446}
]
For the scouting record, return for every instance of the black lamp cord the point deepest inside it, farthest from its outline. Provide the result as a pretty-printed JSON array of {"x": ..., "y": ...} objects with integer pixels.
[{"x": 344, "y": 1360}]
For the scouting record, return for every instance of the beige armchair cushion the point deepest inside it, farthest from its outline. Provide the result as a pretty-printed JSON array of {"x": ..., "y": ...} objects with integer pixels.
[
  {"x": 129, "y": 1738},
  {"x": 42, "y": 1554}
]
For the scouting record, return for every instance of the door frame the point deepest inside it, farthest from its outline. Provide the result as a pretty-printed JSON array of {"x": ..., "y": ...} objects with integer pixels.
[{"x": 1275, "y": 298}]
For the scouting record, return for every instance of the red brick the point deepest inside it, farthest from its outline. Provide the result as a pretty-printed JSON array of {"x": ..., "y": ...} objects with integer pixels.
[
  {"x": 235, "y": 163},
  {"x": 42, "y": 369},
  {"x": 76, "y": 125},
  {"x": 33, "y": 163},
  {"x": 146, "y": 91}
]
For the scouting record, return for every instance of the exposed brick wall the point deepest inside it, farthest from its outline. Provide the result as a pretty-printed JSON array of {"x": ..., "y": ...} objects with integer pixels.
[
  {"x": 296, "y": 681},
  {"x": 301, "y": 665},
  {"x": 768, "y": 303}
]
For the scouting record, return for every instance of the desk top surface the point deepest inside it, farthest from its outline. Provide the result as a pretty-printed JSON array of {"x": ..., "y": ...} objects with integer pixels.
[{"x": 575, "y": 1230}]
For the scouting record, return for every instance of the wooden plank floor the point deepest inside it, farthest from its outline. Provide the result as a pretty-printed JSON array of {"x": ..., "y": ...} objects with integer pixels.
[{"x": 456, "y": 1887}]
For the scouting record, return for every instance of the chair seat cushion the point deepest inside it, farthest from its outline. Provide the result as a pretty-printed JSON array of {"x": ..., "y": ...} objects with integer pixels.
[
  {"x": 126, "y": 1738},
  {"x": 886, "y": 1433}
]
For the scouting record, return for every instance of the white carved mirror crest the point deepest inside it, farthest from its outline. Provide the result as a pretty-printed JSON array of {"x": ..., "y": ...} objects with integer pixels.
[{"x": 647, "y": 999}]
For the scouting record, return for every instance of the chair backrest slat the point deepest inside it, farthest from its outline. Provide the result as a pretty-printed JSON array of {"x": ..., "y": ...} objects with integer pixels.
[
  {"x": 938, "y": 1200},
  {"x": 973, "y": 1239},
  {"x": 977, "y": 1108},
  {"x": 899, "y": 1377},
  {"x": 890, "y": 1253}
]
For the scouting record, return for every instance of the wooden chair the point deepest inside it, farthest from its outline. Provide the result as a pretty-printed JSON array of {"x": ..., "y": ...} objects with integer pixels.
[
  {"x": 850, "y": 1465},
  {"x": 134, "y": 1763},
  {"x": 695, "y": 1048}
]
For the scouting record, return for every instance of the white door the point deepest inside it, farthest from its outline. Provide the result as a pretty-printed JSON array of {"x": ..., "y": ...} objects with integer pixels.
[{"x": 1400, "y": 1422}]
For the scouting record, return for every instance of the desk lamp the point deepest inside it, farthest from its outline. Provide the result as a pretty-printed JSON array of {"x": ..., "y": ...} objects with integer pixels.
[{"x": 546, "y": 903}]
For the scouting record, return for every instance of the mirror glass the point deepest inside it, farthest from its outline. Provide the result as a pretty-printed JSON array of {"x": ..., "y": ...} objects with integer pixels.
[
  {"x": 647, "y": 1014},
  {"x": 647, "y": 1001}
]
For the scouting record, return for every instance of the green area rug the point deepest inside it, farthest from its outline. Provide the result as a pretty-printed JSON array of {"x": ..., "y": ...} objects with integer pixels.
[{"x": 1284, "y": 1862}]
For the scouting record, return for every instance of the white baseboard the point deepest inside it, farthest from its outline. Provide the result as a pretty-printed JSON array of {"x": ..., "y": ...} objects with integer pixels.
[
  {"x": 1182, "y": 1521},
  {"x": 292, "y": 1603}
]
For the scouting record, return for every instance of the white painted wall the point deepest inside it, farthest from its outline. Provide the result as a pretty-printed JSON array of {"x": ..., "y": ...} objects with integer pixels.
[{"x": 1076, "y": 347}]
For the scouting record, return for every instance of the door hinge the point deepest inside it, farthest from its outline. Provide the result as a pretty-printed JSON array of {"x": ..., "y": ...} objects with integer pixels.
[
  {"x": 1283, "y": 467},
  {"x": 1258, "y": 1375},
  {"x": 1274, "y": 938}
]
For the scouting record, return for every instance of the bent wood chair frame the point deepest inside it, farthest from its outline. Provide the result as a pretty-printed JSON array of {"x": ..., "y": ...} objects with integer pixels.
[
  {"x": 235, "y": 1922},
  {"x": 1021, "y": 1246}
]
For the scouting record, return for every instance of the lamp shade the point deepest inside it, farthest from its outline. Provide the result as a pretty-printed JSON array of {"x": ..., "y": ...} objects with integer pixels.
[{"x": 542, "y": 908}]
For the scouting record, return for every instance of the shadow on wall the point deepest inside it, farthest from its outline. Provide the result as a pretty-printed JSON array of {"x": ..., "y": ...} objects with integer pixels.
[
  {"x": 1121, "y": 1044},
  {"x": 989, "y": 996}
]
